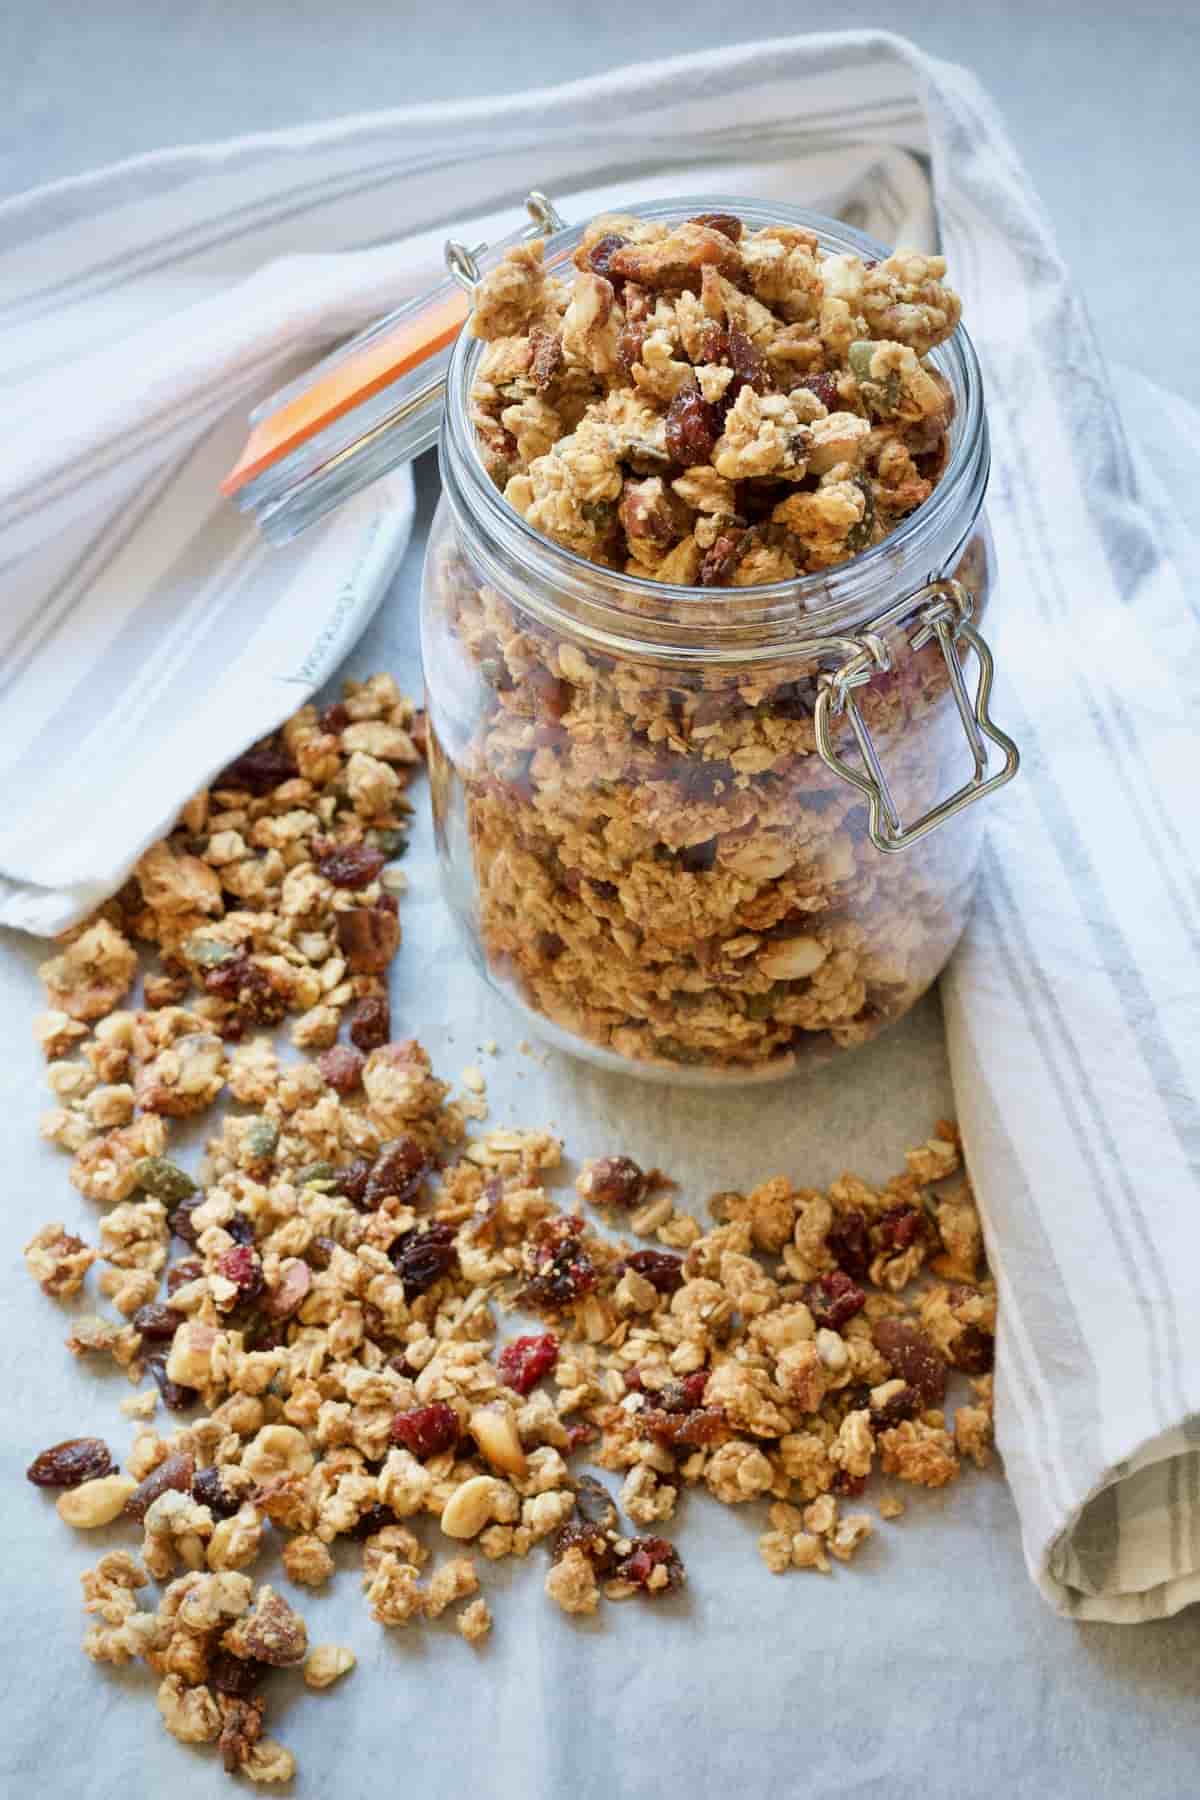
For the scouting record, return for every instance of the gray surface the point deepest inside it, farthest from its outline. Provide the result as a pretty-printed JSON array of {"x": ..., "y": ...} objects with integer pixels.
[
  {"x": 928, "y": 1671},
  {"x": 1100, "y": 97},
  {"x": 934, "y": 1670}
]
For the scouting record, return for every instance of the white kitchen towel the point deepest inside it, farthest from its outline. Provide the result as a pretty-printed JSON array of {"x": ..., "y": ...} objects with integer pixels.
[{"x": 145, "y": 638}]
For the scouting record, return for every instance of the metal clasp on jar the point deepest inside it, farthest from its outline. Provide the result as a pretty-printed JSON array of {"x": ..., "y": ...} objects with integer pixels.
[{"x": 946, "y": 618}]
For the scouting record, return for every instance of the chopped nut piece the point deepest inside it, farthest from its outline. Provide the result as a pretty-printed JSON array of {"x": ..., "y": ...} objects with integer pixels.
[{"x": 327, "y": 1664}]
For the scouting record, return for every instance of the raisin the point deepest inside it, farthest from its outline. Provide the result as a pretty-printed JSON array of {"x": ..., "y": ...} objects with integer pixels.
[
  {"x": 174, "y": 1473},
  {"x": 174, "y": 1394},
  {"x": 848, "y": 1486},
  {"x": 825, "y": 387},
  {"x": 748, "y": 365},
  {"x": 973, "y": 1351},
  {"x": 422, "y": 1256},
  {"x": 240, "y": 1229},
  {"x": 728, "y": 224},
  {"x": 692, "y": 428},
  {"x": 905, "y": 1404},
  {"x": 238, "y": 1677},
  {"x": 562, "y": 1269},
  {"x": 65, "y": 1465},
  {"x": 721, "y": 559},
  {"x": 180, "y": 1220},
  {"x": 615, "y": 1181},
  {"x": 351, "y": 1182},
  {"x": 209, "y": 1490},
  {"x": 849, "y": 1243},
  {"x": 427, "y": 1430},
  {"x": 258, "y": 771},
  {"x": 397, "y": 1173},
  {"x": 242, "y": 1266},
  {"x": 375, "y": 1518},
  {"x": 648, "y": 1555},
  {"x": 523, "y": 1362},
  {"x": 578, "y": 1435},
  {"x": 334, "y": 719},
  {"x": 599, "y": 257},
  {"x": 320, "y": 1252},
  {"x": 368, "y": 937},
  {"x": 157, "y": 1323},
  {"x": 914, "y": 1358},
  {"x": 663, "y": 1271},
  {"x": 796, "y": 700},
  {"x": 353, "y": 866},
  {"x": 833, "y": 1300},
  {"x": 341, "y": 1067},
  {"x": 546, "y": 356},
  {"x": 248, "y": 988},
  {"x": 181, "y": 1273}
]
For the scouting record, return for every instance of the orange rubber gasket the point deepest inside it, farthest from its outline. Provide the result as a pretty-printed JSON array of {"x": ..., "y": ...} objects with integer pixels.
[{"x": 355, "y": 380}]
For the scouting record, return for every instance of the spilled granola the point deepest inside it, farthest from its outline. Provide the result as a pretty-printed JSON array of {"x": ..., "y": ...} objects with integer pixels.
[{"x": 327, "y": 1307}]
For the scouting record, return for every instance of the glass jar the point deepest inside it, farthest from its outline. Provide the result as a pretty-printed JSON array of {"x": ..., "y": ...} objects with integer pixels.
[{"x": 704, "y": 834}]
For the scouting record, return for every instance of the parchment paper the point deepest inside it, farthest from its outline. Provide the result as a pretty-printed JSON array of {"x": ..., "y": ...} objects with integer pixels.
[{"x": 928, "y": 1668}]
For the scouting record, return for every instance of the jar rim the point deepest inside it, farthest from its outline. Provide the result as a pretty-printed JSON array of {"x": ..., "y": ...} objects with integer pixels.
[{"x": 923, "y": 545}]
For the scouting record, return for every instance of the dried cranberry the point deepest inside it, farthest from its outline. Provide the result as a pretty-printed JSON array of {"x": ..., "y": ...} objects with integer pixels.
[
  {"x": 663, "y": 1271},
  {"x": 174, "y": 1394},
  {"x": 258, "y": 771},
  {"x": 65, "y": 1465},
  {"x": 180, "y": 1220},
  {"x": 397, "y": 1172},
  {"x": 375, "y": 1518},
  {"x": 825, "y": 387},
  {"x": 427, "y": 1430},
  {"x": 236, "y": 1676},
  {"x": 240, "y": 1229},
  {"x": 905, "y": 1403},
  {"x": 341, "y": 1067},
  {"x": 578, "y": 1435},
  {"x": 595, "y": 1541},
  {"x": 334, "y": 719},
  {"x": 747, "y": 363},
  {"x": 181, "y": 1273},
  {"x": 209, "y": 1490},
  {"x": 692, "y": 428},
  {"x": 847, "y": 1485},
  {"x": 371, "y": 1022},
  {"x": 422, "y": 1256},
  {"x": 351, "y": 1182},
  {"x": 242, "y": 1266},
  {"x": 352, "y": 866},
  {"x": 973, "y": 1351},
  {"x": 833, "y": 1300},
  {"x": 157, "y": 1323},
  {"x": 173, "y": 1473},
  {"x": 728, "y": 224},
  {"x": 899, "y": 1227},
  {"x": 246, "y": 986},
  {"x": 523, "y": 1362},
  {"x": 914, "y": 1358},
  {"x": 721, "y": 559},
  {"x": 562, "y": 1269},
  {"x": 615, "y": 1181},
  {"x": 647, "y": 1555},
  {"x": 849, "y": 1243}
]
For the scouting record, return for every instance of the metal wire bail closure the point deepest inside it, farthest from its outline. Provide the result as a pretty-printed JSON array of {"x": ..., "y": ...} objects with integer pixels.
[{"x": 946, "y": 618}]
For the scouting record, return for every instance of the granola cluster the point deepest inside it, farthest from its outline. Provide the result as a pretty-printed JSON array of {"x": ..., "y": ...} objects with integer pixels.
[
  {"x": 712, "y": 406},
  {"x": 665, "y": 868}
]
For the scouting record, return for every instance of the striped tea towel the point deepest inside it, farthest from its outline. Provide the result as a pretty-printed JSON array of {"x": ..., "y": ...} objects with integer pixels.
[{"x": 146, "y": 638}]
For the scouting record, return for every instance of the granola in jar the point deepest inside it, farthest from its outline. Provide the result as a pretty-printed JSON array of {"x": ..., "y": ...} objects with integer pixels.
[{"x": 724, "y": 444}]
